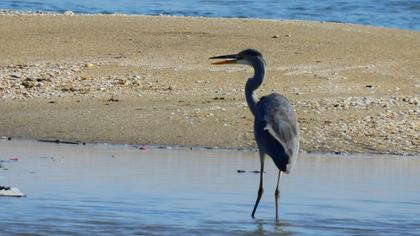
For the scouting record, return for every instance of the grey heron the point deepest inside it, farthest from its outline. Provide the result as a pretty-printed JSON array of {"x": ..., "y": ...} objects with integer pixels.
[{"x": 275, "y": 125}]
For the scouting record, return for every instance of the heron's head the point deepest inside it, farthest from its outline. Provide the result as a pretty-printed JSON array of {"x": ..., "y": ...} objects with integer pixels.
[{"x": 245, "y": 57}]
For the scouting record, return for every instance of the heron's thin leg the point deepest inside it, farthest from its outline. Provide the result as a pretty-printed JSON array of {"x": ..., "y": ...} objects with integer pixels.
[
  {"x": 277, "y": 194},
  {"x": 260, "y": 189}
]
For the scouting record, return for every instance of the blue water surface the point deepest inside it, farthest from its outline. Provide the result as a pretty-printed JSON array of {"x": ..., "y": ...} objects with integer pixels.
[
  {"x": 121, "y": 190},
  {"x": 403, "y": 14}
]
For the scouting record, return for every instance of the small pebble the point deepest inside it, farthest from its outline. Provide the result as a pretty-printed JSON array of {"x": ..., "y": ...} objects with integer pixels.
[{"x": 89, "y": 65}]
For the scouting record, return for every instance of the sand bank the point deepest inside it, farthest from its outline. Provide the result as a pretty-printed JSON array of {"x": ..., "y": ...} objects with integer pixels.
[{"x": 147, "y": 80}]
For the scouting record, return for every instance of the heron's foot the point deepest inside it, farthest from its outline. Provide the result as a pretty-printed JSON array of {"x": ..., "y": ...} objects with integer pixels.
[{"x": 276, "y": 196}]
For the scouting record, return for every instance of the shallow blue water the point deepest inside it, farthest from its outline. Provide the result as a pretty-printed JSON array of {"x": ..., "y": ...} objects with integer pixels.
[
  {"x": 403, "y": 14},
  {"x": 121, "y": 190}
]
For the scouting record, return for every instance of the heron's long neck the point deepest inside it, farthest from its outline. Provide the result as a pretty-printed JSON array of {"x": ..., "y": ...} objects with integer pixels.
[{"x": 252, "y": 84}]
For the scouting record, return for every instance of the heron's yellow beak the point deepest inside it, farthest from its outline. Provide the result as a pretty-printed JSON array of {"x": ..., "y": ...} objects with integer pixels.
[
  {"x": 224, "y": 62},
  {"x": 233, "y": 59}
]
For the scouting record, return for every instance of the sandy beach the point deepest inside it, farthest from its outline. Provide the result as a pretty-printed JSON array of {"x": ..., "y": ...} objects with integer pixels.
[{"x": 148, "y": 80}]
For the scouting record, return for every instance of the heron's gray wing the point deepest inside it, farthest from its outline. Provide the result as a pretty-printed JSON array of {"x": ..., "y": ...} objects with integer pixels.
[{"x": 281, "y": 123}]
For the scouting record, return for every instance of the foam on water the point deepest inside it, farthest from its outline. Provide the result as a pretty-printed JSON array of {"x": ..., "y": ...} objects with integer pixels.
[{"x": 121, "y": 190}]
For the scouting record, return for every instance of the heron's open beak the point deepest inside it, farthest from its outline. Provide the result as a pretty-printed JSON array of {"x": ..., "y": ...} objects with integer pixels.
[{"x": 233, "y": 59}]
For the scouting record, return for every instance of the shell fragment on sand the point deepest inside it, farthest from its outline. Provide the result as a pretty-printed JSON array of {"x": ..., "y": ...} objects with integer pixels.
[{"x": 10, "y": 192}]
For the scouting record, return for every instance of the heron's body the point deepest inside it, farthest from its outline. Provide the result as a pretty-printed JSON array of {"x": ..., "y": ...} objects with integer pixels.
[
  {"x": 275, "y": 126},
  {"x": 275, "y": 132}
]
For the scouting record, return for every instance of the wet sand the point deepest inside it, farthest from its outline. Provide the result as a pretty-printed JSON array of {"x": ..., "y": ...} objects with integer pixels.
[
  {"x": 121, "y": 190},
  {"x": 147, "y": 80}
]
